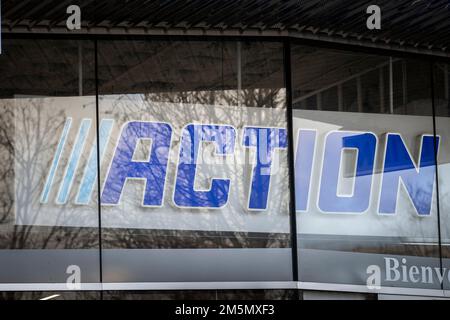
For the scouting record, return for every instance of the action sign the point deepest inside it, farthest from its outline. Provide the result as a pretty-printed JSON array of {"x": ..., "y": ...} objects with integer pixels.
[
  {"x": 225, "y": 168},
  {"x": 399, "y": 167}
]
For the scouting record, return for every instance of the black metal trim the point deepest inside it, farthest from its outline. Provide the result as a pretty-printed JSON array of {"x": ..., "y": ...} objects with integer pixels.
[
  {"x": 297, "y": 41},
  {"x": 97, "y": 123},
  {"x": 290, "y": 129},
  {"x": 436, "y": 167}
]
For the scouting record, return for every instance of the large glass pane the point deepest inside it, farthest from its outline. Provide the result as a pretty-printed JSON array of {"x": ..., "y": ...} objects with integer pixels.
[
  {"x": 194, "y": 167},
  {"x": 442, "y": 107},
  {"x": 364, "y": 170},
  {"x": 47, "y": 131}
]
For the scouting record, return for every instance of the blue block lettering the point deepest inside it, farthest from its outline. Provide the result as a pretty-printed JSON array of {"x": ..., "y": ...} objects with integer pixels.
[
  {"x": 192, "y": 136},
  {"x": 153, "y": 171},
  {"x": 417, "y": 180},
  {"x": 304, "y": 155},
  {"x": 365, "y": 144},
  {"x": 265, "y": 140}
]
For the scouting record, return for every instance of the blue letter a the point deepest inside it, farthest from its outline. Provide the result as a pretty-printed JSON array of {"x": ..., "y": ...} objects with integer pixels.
[{"x": 153, "y": 171}]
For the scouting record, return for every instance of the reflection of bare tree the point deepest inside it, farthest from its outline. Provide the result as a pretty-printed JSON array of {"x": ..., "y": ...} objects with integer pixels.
[
  {"x": 27, "y": 149},
  {"x": 154, "y": 104},
  {"x": 28, "y": 137},
  {"x": 7, "y": 168}
]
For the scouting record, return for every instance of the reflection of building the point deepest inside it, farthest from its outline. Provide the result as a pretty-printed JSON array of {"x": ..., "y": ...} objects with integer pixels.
[{"x": 243, "y": 70}]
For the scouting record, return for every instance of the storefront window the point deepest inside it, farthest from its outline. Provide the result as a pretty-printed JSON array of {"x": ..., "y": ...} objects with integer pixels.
[
  {"x": 195, "y": 164},
  {"x": 190, "y": 163},
  {"x": 47, "y": 121},
  {"x": 364, "y": 170}
]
